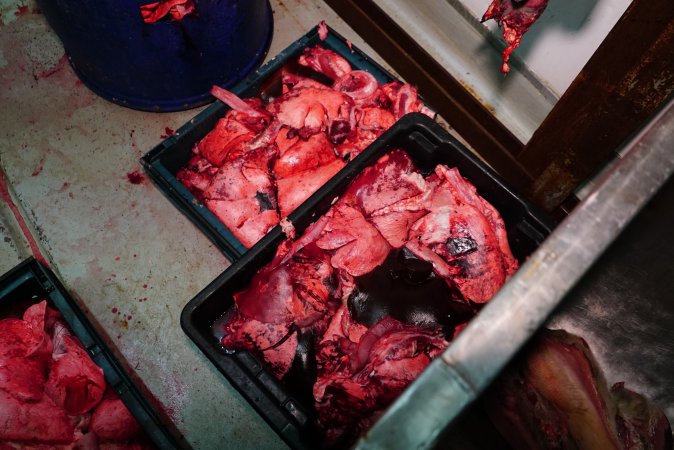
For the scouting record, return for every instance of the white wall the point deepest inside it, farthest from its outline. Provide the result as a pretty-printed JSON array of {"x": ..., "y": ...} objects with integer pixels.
[
  {"x": 557, "y": 46},
  {"x": 551, "y": 55}
]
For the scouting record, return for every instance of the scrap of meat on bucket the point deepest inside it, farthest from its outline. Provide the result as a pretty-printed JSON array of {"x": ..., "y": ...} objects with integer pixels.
[
  {"x": 515, "y": 17},
  {"x": 175, "y": 9},
  {"x": 264, "y": 158},
  {"x": 374, "y": 289},
  {"x": 52, "y": 395}
]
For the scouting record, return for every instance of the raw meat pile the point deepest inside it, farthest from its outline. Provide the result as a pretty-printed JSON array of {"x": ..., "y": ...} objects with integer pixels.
[
  {"x": 374, "y": 289},
  {"x": 515, "y": 17},
  {"x": 261, "y": 161},
  {"x": 554, "y": 396},
  {"x": 52, "y": 395}
]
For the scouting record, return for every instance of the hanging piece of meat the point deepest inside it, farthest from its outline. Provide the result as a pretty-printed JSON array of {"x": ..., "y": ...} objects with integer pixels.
[
  {"x": 52, "y": 395},
  {"x": 262, "y": 160},
  {"x": 373, "y": 290},
  {"x": 515, "y": 17},
  {"x": 555, "y": 396}
]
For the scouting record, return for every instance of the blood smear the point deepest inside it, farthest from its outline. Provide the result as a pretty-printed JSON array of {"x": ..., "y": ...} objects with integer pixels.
[
  {"x": 135, "y": 177},
  {"x": 62, "y": 62},
  {"x": 167, "y": 132}
]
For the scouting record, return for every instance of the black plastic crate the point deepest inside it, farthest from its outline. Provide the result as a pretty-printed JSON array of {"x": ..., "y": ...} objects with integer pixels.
[
  {"x": 30, "y": 282},
  {"x": 428, "y": 144},
  {"x": 164, "y": 161}
]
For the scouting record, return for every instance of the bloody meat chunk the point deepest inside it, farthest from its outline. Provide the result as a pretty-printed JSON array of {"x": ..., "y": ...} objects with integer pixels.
[
  {"x": 356, "y": 245},
  {"x": 325, "y": 62},
  {"x": 515, "y": 17},
  {"x": 275, "y": 342},
  {"x": 52, "y": 393},
  {"x": 391, "y": 196},
  {"x": 75, "y": 383},
  {"x": 25, "y": 355},
  {"x": 111, "y": 420},
  {"x": 231, "y": 134},
  {"x": 295, "y": 294},
  {"x": 360, "y": 373},
  {"x": 296, "y": 188},
  {"x": 40, "y": 421}
]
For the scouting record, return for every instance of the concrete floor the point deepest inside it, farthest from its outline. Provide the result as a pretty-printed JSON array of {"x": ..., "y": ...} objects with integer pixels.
[{"x": 119, "y": 246}]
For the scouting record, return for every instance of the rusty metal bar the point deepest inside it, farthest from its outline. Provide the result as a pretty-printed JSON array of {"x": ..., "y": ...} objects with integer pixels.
[{"x": 630, "y": 76}]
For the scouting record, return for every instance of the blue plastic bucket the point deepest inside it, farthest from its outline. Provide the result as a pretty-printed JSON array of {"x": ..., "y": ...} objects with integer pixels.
[{"x": 163, "y": 66}]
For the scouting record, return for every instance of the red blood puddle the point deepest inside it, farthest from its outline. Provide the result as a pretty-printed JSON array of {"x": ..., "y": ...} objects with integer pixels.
[
  {"x": 21, "y": 10},
  {"x": 135, "y": 177},
  {"x": 145, "y": 286},
  {"x": 169, "y": 132},
  {"x": 114, "y": 310},
  {"x": 117, "y": 258},
  {"x": 129, "y": 317},
  {"x": 65, "y": 186}
]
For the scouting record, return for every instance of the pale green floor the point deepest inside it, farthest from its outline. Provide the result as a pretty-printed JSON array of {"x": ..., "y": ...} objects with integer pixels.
[{"x": 66, "y": 153}]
